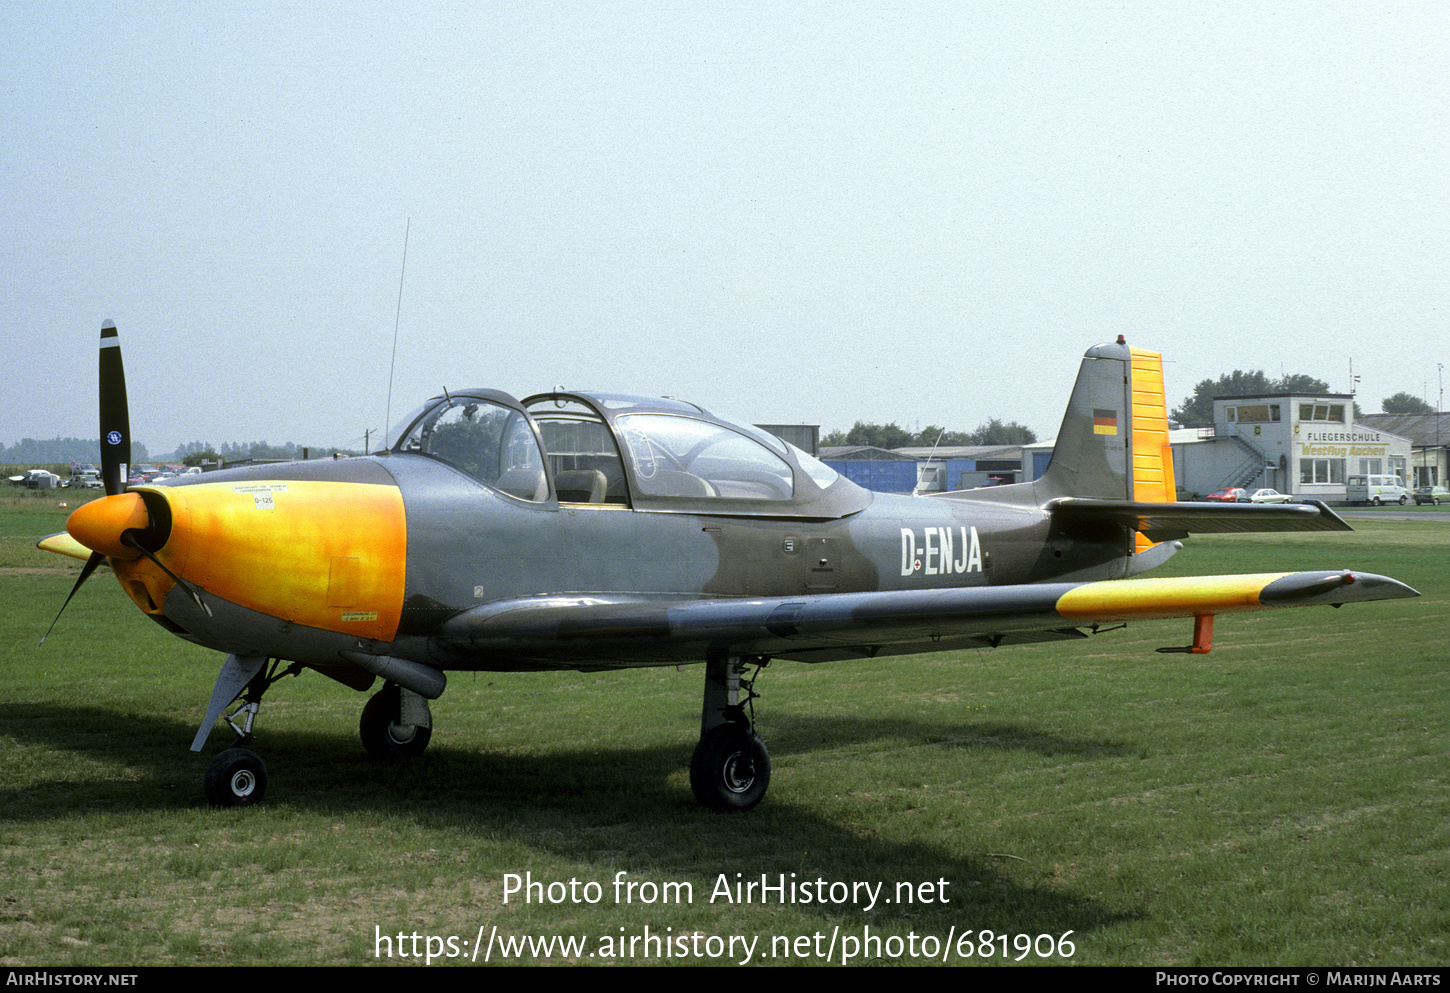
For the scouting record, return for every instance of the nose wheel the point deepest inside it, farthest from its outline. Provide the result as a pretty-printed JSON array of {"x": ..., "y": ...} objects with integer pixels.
[{"x": 236, "y": 778}]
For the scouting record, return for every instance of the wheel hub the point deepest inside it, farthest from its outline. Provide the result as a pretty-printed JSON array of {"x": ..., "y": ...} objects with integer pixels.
[
  {"x": 739, "y": 773},
  {"x": 243, "y": 783}
]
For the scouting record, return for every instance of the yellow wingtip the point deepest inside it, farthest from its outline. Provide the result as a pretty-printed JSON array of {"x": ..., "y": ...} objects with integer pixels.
[{"x": 63, "y": 544}]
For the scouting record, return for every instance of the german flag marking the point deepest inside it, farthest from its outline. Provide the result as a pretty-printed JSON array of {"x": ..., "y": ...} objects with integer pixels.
[{"x": 1105, "y": 421}]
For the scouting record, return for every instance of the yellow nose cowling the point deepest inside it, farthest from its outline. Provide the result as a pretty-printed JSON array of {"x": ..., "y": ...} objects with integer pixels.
[{"x": 328, "y": 555}]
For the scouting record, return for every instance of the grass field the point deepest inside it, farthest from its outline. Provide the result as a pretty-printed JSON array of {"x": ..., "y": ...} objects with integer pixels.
[{"x": 1282, "y": 800}]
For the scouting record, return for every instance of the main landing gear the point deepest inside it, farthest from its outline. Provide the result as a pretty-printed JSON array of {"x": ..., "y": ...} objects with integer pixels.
[
  {"x": 730, "y": 769},
  {"x": 396, "y": 723}
]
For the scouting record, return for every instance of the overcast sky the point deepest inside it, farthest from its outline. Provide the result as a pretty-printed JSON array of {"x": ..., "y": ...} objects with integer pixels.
[{"x": 815, "y": 213}]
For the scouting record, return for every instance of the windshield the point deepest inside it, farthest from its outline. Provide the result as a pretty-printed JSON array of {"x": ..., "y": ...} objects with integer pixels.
[{"x": 490, "y": 442}]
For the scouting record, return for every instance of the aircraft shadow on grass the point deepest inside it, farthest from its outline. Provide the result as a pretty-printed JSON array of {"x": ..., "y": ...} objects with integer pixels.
[{"x": 597, "y": 796}]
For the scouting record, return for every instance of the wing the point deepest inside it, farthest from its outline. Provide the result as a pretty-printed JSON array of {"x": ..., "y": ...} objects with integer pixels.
[{"x": 608, "y": 632}]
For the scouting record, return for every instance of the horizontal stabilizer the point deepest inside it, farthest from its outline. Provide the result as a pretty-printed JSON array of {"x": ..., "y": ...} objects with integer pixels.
[{"x": 1169, "y": 521}]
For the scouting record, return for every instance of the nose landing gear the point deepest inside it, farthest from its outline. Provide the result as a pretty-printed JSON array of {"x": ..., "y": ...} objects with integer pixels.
[{"x": 238, "y": 777}]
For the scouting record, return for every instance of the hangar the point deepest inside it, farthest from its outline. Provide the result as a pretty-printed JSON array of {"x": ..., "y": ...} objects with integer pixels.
[
  {"x": 926, "y": 470},
  {"x": 1429, "y": 435}
]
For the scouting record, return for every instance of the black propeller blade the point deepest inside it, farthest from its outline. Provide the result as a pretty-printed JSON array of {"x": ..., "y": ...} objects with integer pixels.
[
  {"x": 91, "y": 563},
  {"x": 115, "y": 443},
  {"x": 115, "y": 415}
]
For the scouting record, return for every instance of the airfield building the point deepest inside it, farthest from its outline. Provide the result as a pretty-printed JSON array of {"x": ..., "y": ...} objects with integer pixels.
[
  {"x": 926, "y": 470},
  {"x": 877, "y": 469},
  {"x": 1304, "y": 444}
]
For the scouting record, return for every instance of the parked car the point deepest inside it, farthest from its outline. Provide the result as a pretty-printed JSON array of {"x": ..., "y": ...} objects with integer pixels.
[
  {"x": 1232, "y": 494},
  {"x": 141, "y": 473},
  {"x": 83, "y": 475},
  {"x": 36, "y": 479},
  {"x": 1431, "y": 494},
  {"x": 1269, "y": 496}
]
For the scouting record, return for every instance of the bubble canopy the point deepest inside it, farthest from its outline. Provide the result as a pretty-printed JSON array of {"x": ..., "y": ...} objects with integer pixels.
[{"x": 615, "y": 450}]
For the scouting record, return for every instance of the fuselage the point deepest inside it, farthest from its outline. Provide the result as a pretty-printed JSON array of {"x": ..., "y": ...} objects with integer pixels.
[
  {"x": 306, "y": 560},
  {"x": 484, "y": 503}
]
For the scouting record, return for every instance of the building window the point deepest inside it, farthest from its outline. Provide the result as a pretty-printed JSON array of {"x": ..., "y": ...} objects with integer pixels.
[
  {"x": 1322, "y": 412},
  {"x": 1258, "y": 412},
  {"x": 1321, "y": 470}
]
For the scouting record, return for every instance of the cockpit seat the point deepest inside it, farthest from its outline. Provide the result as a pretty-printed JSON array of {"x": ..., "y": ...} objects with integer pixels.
[
  {"x": 524, "y": 483},
  {"x": 672, "y": 482},
  {"x": 581, "y": 485}
]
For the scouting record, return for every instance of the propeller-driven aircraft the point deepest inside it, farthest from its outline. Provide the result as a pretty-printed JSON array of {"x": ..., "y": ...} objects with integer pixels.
[{"x": 593, "y": 531}]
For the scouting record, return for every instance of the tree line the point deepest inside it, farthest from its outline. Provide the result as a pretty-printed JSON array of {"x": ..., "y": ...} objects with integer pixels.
[
  {"x": 58, "y": 451},
  {"x": 991, "y": 432},
  {"x": 53, "y": 451},
  {"x": 1197, "y": 410}
]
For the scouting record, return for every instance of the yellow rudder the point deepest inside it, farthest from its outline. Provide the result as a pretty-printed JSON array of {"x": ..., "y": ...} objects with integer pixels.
[{"x": 1153, "y": 480}]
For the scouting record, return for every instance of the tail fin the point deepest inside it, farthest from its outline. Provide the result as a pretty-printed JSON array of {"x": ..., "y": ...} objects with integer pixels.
[{"x": 1113, "y": 443}]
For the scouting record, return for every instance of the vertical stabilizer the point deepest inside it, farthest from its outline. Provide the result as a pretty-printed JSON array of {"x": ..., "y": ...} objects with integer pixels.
[
  {"x": 1113, "y": 443},
  {"x": 1090, "y": 458}
]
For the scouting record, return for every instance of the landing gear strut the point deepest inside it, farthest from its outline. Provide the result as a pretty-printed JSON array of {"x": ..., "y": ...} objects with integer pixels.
[
  {"x": 730, "y": 769},
  {"x": 238, "y": 777}
]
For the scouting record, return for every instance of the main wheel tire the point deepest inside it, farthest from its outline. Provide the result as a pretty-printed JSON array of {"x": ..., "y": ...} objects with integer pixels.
[
  {"x": 1403, "y": 501},
  {"x": 730, "y": 769},
  {"x": 236, "y": 778},
  {"x": 1375, "y": 502},
  {"x": 382, "y": 734}
]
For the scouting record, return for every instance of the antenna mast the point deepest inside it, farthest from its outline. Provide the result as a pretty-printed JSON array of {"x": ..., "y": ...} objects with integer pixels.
[{"x": 392, "y": 369}]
